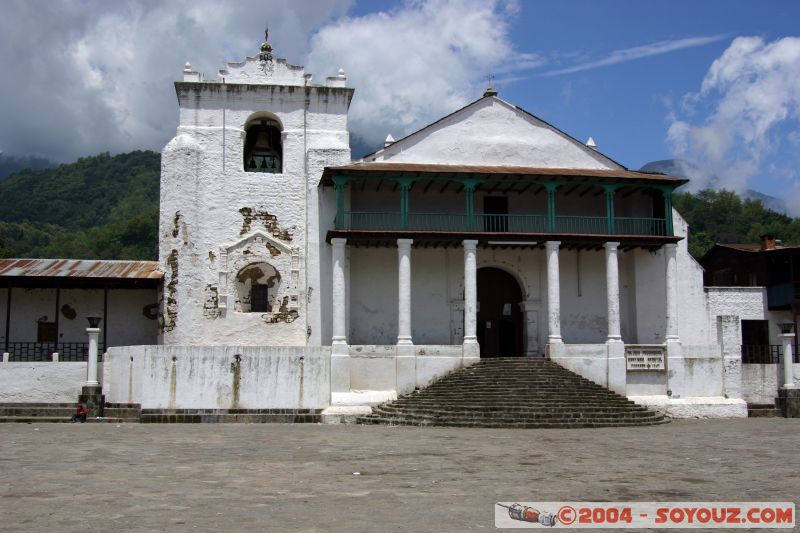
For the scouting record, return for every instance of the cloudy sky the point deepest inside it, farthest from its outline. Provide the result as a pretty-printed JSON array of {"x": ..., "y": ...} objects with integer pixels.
[{"x": 715, "y": 82}]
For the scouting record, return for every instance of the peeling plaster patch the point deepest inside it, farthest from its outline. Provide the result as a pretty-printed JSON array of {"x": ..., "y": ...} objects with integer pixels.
[
  {"x": 211, "y": 255},
  {"x": 68, "y": 312},
  {"x": 172, "y": 287},
  {"x": 269, "y": 221},
  {"x": 211, "y": 306},
  {"x": 273, "y": 250}
]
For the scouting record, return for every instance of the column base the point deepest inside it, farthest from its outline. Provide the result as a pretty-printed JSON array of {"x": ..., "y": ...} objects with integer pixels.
[
  {"x": 92, "y": 396},
  {"x": 617, "y": 367},
  {"x": 471, "y": 352},
  {"x": 676, "y": 368},
  {"x": 404, "y": 341},
  {"x": 789, "y": 401},
  {"x": 554, "y": 349},
  {"x": 405, "y": 369},
  {"x": 340, "y": 372},
  {"x": 340, "y": 347}
]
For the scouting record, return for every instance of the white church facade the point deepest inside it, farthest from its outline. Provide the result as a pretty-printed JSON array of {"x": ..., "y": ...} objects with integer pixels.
[{"x": 294, "y": 278}]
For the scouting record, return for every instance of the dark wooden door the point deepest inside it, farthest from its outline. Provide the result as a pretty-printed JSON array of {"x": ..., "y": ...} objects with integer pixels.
[
  {"x": 495, "y": 209},
  {"x": 500, "y": 325}
]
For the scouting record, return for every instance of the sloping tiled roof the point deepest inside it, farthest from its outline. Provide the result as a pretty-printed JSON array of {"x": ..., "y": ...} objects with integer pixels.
[
  {"x": 80, "y": 268},
  {"x": 491, "y": 172}
]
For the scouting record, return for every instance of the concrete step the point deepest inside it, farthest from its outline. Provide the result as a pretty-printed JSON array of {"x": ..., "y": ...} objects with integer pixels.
[
  {"x": 230, "y": 418},
  {"x": 222, "y": 416},
  {"x": 763, "y": 411}
]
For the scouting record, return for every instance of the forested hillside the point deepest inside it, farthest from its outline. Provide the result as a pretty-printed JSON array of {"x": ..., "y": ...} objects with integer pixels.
[
  {"x": 99, "y": 207},
  {"x": 105, "y": 207},
  {"x": 721, "y": 216}
]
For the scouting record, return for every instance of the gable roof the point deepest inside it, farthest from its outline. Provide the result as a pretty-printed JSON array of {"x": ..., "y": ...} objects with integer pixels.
[{"x": 592, "y": 152}]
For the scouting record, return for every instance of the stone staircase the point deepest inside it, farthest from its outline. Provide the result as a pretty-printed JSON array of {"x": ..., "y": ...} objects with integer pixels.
[
  {"x": 62, "y": 412},
  {"x": 513, "y": 393}
]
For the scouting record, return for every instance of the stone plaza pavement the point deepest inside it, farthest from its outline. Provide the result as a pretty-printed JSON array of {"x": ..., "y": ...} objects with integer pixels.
[{"x": 273, "y": 477}]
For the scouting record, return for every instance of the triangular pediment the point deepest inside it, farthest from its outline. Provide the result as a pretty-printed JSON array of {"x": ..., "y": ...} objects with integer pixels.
[{"x": 491, "y": 131}]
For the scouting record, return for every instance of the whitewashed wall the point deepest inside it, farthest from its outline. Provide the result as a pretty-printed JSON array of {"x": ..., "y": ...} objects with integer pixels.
[
  {"x": 760, "y": 383},
  {"x": 206, "y": 232},
  {"x": 45, "y": 382},
  {"x": 208, "y": 377}
]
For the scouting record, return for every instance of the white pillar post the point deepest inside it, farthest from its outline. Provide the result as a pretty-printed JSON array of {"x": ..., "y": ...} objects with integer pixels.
[
  {"x": 672, "y": 291},
  {"x": 616, "y": 367},
  {"x": 340, "y": 351},
  {"x": 612, "y": 291},
  {"x": 406, "y": 361},
  {"x": 404, "y": 291},
  {"x": 676, "y": 365},
  {"x": 471, "y": 348},
  {"x": 91, "y": 367},
  {"x": 339, "y": 293},
  {"x": 787, "y": 339},
  {"x": 553, "y": 294}
]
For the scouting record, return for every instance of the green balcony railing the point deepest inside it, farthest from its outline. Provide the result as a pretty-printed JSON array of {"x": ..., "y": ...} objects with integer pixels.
[
  {"x": 639, "y": 226},
  {"x": 598, "y": 225},
  {"x": 456, "y": 222}
]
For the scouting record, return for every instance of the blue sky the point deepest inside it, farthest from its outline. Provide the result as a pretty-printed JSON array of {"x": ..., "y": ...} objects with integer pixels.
[{"x": 714, "y": 82}]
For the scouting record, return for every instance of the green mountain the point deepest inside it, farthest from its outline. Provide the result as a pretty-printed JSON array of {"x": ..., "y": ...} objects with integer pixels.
[{"x": 99, "y": 207}]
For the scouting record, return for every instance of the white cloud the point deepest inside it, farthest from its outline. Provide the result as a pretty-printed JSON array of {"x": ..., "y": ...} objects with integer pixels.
[
  {"x": 418, "y": 62},
  {"x": 639, "y": 52},
  {"x": 90, "y": 76},
  {"x": 746, "y": 108}
]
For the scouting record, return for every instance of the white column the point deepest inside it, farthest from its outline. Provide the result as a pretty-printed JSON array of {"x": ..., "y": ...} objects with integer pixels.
[
  {"x": 470, "y": 292},
  {"x": 339, "y": 293},
  {"x": 672, "y": 291},
  {"x": 91, "y": 367},
  {"x": 788, "y": 358},
  {"x": 553, "y": 294},
  {"x": 404, "y": 291},
  {"x": 612, "y": 291}
]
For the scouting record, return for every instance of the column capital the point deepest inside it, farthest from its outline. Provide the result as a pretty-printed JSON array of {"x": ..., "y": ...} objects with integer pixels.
[
  {"x": 553, "y": 245},
  {"x": 338, "y": 242},
  {"x": 405, "y": 243},
  {"x": 611, "y": 246},
  {"x": 470, "y": 244}
]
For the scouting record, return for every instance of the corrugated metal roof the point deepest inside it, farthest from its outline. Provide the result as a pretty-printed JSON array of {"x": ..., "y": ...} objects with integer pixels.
[
  {"x": 381, "y": 169},
  {"x": 80, "y": 268}
]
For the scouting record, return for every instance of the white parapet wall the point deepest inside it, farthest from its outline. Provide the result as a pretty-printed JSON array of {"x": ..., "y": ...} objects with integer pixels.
[
  {"x": 760, "y": 383},
  {"x": 44, "y": 382},
  {"x": 219, "y": 377}
]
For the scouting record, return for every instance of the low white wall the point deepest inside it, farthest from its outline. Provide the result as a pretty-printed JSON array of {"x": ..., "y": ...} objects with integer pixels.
[
  {"x": 587, "y": 360},
  {"x": 646, "y": 383},
  {"x": 42, "y": 382},
  {"x": 760, "y": 383},
  {"x": 209, "y": 377},
  {"x": 374, "y": 367},
  {"x": 702, "y": 371}
]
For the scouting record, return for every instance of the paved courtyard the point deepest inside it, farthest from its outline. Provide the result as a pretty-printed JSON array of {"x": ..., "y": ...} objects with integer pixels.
[{"x": 105, "y": 477}]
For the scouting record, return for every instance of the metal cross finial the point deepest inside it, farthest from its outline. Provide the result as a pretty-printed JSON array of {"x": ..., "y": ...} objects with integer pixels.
[{"x": 266, "y": 34}]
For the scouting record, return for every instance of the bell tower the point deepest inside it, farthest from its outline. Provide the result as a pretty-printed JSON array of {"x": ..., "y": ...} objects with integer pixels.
[{"x": 240, "y": 236}]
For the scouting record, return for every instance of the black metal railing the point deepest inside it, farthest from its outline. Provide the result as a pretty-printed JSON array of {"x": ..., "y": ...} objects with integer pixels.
[
  {"x": 761, "y": 354},
  {"x": 43, "y": 351}
]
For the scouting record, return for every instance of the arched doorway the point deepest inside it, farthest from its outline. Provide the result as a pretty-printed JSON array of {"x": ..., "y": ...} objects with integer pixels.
[{"x": 500, "y": 324}]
